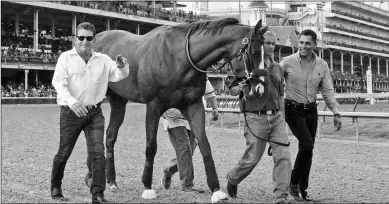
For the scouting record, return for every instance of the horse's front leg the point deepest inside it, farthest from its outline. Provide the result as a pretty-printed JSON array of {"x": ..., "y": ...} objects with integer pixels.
[
  {"x": 153, "y": 113},
  {"x": 195, "y": 114}
]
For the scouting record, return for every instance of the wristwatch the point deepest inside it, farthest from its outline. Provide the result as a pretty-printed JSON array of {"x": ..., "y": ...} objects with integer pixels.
[{"x": 337, "y": 114}]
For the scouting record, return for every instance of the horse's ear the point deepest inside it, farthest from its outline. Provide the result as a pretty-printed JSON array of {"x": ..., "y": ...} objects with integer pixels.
[
  {"x": 258, "y": 26},
  {"x": 263, "y": 30}
]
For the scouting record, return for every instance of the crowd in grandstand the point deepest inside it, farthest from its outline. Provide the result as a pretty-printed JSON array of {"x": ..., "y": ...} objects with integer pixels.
[
  {"x": 13, "y": 89},
  {"x": 356, "y": 43},
  {"x": 144, "y": 9},
  {"x": 361, "y": 15},
  {"x": 19, "y": 48},
  {"x": 361, "y": 29}
]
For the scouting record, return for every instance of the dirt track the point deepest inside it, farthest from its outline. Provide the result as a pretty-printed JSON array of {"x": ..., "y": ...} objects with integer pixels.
[{"x": 342, "y": 171}]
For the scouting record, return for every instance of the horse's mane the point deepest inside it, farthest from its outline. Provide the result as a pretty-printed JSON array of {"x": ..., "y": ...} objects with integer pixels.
[{"x": 213, "y": 27}]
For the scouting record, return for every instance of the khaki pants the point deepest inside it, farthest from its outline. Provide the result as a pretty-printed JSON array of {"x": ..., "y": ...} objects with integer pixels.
[
  {"x": 184, "y": 144},
  {"x": 274, "y": 128}
]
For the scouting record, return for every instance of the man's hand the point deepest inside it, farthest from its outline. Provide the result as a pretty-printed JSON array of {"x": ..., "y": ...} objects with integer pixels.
[
  {"x": 215, "y": 115},
  {"x": 337, "y": 122},
  {"x": 120, "y": 61},
  {"x": 79, "y": 109}
]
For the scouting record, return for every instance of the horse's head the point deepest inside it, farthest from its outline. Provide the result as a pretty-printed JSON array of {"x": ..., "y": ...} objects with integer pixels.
[{"x": 248, "y": 56}]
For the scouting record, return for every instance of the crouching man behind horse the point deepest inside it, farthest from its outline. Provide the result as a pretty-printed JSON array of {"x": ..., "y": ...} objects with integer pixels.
[
  {"x": 81, "y": 80},
  {"x": 265, "y": 122},
  {"x": 184, "y": 143}
]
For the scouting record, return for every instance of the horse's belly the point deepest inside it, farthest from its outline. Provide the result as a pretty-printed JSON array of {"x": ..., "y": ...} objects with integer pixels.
[{"x": 127, "y": 89}]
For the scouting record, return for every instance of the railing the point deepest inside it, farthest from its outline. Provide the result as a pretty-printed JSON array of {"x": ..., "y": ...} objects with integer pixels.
[
  {"x": 233, "y": 101},
  {"x": 354, "y": 115},
  {"x": 228, "y": 105}
]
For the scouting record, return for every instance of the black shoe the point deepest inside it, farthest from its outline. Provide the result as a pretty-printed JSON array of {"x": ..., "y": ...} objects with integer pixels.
[
  {"x": 192, "y": 190},
  {"x": 232, "y": 189},
  {"x": 304, "y": 195},
  {"x": 295, "y": 193},
  {"x": 56, "y": 194},
  {"x": 99, "y": 198},
  {"x": 166, "y": 179}
]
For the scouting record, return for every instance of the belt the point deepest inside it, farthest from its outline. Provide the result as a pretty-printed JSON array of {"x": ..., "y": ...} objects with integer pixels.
[
  {"x": 301, "y": 105},
  {"x": 89, "y": 107},
  {"x": 264, "y": 112}
]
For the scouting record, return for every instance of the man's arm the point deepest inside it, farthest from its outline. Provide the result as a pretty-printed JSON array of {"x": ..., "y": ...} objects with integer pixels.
[
  {"x": 281, "y": 99},
  {"x": 284, "y": 66},
  {"x": 60, "y": 82},
  {"x": 328, "y": 91},
  {"x": 117, "y": 70},
  {"x": 210, "y": 97},
  {"x": 212, "y": 101}
]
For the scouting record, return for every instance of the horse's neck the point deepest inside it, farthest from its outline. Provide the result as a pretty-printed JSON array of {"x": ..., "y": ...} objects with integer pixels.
[
  {"x": 208, "y": 49},
  {"x": 206, "y": 52}
]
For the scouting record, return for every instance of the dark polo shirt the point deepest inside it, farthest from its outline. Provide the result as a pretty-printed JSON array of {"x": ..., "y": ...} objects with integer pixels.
[{"x": 274, "y": 89}]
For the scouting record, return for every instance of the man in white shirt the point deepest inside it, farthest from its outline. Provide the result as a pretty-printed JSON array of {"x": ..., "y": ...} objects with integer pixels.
[
  {"x": 81, "y": 80},
  {"x": 184, "y": 142}
]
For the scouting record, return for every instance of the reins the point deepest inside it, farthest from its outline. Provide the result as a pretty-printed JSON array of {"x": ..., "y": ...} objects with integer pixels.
[{"x": 243, "y": 53}]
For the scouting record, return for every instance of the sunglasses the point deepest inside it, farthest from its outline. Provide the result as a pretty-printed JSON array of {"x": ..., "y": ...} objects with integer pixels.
[{"x": 88, "y": 38}]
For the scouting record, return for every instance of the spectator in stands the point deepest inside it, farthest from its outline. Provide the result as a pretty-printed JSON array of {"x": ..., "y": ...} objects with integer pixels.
[
  {"x": 80, "y": 107},
  {"x": 300, "y": 105}
]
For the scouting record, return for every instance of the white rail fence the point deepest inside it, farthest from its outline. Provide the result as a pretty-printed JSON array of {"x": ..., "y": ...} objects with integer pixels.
[{"x": 229, "y": 104}]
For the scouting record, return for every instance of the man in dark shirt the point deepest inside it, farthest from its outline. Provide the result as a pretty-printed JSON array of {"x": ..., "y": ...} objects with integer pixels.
[
  {"x": 264, "y": 123},
  {"x": 306, "y": 74}
]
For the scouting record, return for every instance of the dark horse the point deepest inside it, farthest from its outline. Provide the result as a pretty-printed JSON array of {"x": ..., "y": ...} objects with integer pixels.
[{"x": 168, "y": 70}]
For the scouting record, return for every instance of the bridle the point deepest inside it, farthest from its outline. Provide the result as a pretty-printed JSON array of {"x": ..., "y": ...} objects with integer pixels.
[{"x": 243, "y": 53}]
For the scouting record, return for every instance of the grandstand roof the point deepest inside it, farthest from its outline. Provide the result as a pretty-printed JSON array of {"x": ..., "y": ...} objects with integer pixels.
[
  {"x": 260, "y": 4},
  {"x": 286, "y": 35},
  {"x": 169, "y": 4}
]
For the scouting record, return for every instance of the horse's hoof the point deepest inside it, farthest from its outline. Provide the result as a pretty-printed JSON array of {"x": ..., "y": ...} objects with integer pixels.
[
  {"x": 149, "y": 194},
  {"x": 113, "y": 186},
  {"x": 218, "y": 196}
]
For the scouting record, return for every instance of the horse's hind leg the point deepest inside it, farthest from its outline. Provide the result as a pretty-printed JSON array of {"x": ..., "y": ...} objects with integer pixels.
[
  {"x": 195, "y": 114},
  {"x": 118, "y": 109},
  {"x": 153, "y": 114}
]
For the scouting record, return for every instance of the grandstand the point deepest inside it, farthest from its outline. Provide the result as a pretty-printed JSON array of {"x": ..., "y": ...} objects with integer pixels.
[
  {"x": 352, "y": 37},
  {"x": 34, "y": 34}
]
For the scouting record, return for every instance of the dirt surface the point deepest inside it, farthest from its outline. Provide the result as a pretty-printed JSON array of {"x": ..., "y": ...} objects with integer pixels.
[{"x": 342, "y": 171}]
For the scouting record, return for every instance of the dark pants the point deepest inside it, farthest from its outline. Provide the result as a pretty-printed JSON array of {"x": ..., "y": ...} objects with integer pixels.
[
  {"x": 70, "y": 128},
  {"x": 303, "y": 124},
  {"x": 184, "y": 144}
]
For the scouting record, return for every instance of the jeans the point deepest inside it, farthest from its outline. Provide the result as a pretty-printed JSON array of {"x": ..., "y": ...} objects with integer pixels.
[
  {"x": 303, "y": 124},
  {"x": 184, "y": 144},
  {"x": 70, "y": 128},
  {"x": 274, "y": 128}
]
